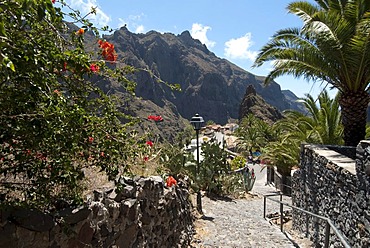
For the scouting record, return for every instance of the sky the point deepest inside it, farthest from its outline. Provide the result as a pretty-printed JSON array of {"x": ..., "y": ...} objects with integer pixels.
[{"x": 232, "y": 29}]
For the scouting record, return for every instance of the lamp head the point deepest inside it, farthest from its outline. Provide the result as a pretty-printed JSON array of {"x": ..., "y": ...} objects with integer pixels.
[{"x": 197, "y": 121}]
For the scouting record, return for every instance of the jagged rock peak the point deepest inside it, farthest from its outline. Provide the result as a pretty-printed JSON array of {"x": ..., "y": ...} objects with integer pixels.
[
  {"x": 256, "y": 105},
  {"x": 251, "y": 90}
]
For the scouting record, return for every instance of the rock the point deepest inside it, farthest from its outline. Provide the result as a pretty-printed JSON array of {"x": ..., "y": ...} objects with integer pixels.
[
  {"x": 128, "y": 237},
  {"x": 77, "y": 215},
  {"x": 86, "y": 233},
  {"x": 127, "y": 192},
  {"x": 32, "y": 219},
  {"x": 7, "y": 236},
  {"x": 254, "y": 104}
]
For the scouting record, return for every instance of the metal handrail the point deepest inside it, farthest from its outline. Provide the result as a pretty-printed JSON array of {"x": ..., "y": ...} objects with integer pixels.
[{"x": 329, "y": 223}]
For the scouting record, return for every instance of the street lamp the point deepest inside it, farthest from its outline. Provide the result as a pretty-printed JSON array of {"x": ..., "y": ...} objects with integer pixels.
[{"x": 197, "y": 122}]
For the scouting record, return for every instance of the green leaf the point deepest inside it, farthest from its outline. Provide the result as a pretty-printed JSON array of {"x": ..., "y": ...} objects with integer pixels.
[
  {"x": 9, "y": 64},
  {"x": 2, "y": 29}
]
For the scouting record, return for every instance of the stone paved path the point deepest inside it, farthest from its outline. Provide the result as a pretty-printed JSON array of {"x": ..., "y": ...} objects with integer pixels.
[{"x": 240, "y": 222}]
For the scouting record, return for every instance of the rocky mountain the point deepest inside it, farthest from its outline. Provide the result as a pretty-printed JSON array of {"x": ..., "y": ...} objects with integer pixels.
[
  {"x": 254, "y": 104},
  {"x": 293, "y": 100},
  {"x": 210, "y": 86}
]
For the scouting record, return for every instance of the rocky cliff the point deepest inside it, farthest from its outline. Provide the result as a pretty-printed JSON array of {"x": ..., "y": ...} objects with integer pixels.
[
  {"x": 210, "y": 86},
  {"x": 254, "y": 104}
]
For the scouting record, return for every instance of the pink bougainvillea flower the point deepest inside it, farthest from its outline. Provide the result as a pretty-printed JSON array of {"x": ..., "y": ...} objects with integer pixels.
[
  {"x": 171, "y": 181},
  {"x": 94, "y": 68},
  {"x": 102, "y": 154},
  {"x": 149, "y": 143}
]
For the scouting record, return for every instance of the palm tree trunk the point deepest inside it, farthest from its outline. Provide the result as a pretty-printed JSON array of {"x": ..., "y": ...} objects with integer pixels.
[{"x": 354, "y": 107}]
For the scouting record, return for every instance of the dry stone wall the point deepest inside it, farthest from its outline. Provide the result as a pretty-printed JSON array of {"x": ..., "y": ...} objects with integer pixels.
[
  {"x": 333, "y": 186},
  {"x": 144, "y": 214}
]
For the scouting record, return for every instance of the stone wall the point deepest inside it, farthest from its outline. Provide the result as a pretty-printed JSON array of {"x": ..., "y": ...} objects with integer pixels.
[
  {"x": 144, "y": 214},
  {"x": 336, "y": 186},
  {"x": 281, "y": 183}
]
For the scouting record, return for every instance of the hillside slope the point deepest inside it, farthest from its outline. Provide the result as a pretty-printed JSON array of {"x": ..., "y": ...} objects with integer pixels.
[{"x": 210, "y": 86}]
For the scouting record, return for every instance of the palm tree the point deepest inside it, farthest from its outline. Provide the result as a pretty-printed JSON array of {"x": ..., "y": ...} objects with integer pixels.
[
  {"x": 332, "y": 47},
  {"x": 253, "y": 133},
  {"x": 320, "y": 125}
]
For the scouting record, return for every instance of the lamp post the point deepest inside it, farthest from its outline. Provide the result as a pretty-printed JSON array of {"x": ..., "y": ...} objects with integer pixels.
[{"x": 197, "y": 122}]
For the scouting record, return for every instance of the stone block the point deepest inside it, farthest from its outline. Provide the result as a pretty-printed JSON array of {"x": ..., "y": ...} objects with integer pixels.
[{"x": 32, "y": 219}]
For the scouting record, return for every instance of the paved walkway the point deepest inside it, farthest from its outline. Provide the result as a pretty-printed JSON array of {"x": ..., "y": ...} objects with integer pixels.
[{"x": 240, "y": 222}]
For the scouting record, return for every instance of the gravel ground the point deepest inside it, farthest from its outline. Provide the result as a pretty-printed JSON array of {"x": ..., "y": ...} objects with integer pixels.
[{"x": 230, "y": 222}]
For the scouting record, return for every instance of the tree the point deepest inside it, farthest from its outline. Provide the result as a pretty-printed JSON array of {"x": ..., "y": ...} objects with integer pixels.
[
  {"x": 321, "y": 124},
  {"x": 55, "y": 121},
  {"x": 332, "y": 47},
  {"x": 253, "y": 133}
]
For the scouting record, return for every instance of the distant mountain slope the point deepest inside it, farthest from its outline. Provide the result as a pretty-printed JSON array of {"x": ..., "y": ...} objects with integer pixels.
[
  {"x": 293, "y": 100},
  {"x": 210, "y": 86},
  {"x": 254, "y": 104}
]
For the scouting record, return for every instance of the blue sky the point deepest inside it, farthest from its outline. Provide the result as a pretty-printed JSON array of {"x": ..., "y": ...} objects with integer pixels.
[{"x": 232, "y": 29}]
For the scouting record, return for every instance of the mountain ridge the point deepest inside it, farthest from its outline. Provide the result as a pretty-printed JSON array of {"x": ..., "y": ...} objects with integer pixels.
[{"x": 211, "y": 86}]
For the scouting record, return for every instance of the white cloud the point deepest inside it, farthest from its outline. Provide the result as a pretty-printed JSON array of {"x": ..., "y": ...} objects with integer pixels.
[
  {"x": 140, "y": 29},
  {"x": 240, "y": 48},
  {"x": 132, "y": 23},
  {"x": 85, "y": 6},
  {"x": 198, "y": 31}
]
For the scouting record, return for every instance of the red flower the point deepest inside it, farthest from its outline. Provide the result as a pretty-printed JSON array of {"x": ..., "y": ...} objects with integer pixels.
[
  {"x": 57, "y": 92},
  {"x": 91, "y": 139},
  {"x": 149, "y": 143},
  {"x": 53, "y": 1},
  {"x": 171, "y": 181},
  {"x": 64, "y": 66},
  {"x": 146, "y": 158},
  {"x": 81, "y": 31},
  {"x": 94, "y": 68},
  {"x": 108, "y": 50},
  {"x": 155, "y": 118},
  {"x": 40, "y": 156}
]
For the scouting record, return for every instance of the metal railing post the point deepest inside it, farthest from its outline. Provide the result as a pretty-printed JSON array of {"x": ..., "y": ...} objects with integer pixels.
[
  {"x": 329, "y": 225},
  {"x": 281, "y": 216},
  {"x": 327, "y": 234},
  {"x": 307, "y": 225}
]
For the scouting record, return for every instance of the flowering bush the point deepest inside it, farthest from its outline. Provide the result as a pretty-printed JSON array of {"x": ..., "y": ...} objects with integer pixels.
[{"x": 54, "y": 120}]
